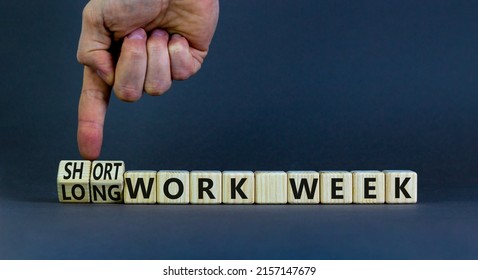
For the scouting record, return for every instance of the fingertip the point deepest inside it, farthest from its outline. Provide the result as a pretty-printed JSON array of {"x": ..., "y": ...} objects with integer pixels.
[{"x": 90, "y": 139}]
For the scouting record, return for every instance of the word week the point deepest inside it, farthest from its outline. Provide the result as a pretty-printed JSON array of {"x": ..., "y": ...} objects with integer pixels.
[{"x": 108, "y": 182}]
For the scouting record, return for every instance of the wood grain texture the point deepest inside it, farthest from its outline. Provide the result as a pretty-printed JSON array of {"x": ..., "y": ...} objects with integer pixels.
[
  {"x": 400, "y": 186},
  {"x": 83, "y": 181},
  {"x": 140, "y": 187},
  {"x": 73, "y": 181},
  {"x": 206, "y": 187},
  {"x": 368, "y": 186},
  {"x": 106, "y": 181},
  {"x": 303, "y": 187},
  {"x": 335, "y": 187},
  {"x": 173, "y": 187},
  {"x": 271, "y": 187},
  {"x": 238, "y": 187}
]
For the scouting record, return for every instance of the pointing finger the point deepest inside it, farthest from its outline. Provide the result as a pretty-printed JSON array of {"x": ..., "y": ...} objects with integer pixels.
[{"x": 94, "y": 99}]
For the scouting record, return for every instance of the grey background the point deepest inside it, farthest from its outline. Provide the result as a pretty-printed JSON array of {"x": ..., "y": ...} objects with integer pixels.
[{"x": 288, "y": 85}]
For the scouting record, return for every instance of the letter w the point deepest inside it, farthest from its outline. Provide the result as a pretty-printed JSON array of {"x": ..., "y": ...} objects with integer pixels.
[
  {"x": 139, "y": 184},
  {"x": 310, "y": 192}
]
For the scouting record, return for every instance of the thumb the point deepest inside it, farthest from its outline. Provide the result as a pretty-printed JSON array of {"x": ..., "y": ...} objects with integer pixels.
[
  {"x": 94, "y": 100},
  {"x": 95, "y": 44}
]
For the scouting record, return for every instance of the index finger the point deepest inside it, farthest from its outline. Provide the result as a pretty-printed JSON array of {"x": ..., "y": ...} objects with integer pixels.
[{"x": 94, "y": 99}]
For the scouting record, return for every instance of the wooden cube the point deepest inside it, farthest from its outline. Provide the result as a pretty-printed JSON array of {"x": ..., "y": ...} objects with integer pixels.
[
  {"x": 206, "y": 187},
  {"x": 238, "y": 187},
  {"x": 106, "y": 181},
  {"x": 303, "y": 187},
  {"x": 368, "y": 187},
  {"x": 73, "y": 181},
  {"x": 335, "y": 187},
  {"x": 140, "y": 187},
  {"x": 271, "y": 187},
  {"x": 173, "y": 187},
  {"x": 400, "y": 186}
]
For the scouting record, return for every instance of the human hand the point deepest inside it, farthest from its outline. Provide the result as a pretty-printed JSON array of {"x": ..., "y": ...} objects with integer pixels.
[{"x": 149, "y": 59}]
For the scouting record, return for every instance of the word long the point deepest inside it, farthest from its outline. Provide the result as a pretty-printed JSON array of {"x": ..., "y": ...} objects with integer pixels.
[{"x": 107, "y": 182}]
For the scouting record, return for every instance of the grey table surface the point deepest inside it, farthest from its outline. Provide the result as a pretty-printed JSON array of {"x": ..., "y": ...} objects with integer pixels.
[{"x": 288, "y": 85}]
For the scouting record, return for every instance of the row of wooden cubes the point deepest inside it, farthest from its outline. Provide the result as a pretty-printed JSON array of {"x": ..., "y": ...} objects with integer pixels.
[{"x": 108, "y": 182}]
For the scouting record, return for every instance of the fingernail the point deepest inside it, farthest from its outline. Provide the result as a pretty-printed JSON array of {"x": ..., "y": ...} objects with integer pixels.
[
  {"x": 137, "y": 34},
  {"x": 159, "y": 33}
]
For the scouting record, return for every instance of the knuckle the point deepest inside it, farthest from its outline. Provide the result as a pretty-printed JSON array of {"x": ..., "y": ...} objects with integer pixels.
[
  {"x": 92, "y": 126},
  {"x": 184, "y": 73},
  {"x": 155, "y": 47},
  {"x": 89, "y": 15},
  {"x": 176, "y": 49},
  {"x": 127, "y": 93},
  {"x": 135, "y": 53},
  {"x": 80, "y": 57},
  {"x": 94, "y": 94},
  {"x": 157, "y": 88},
  {"x": 91, "y": 59}
]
